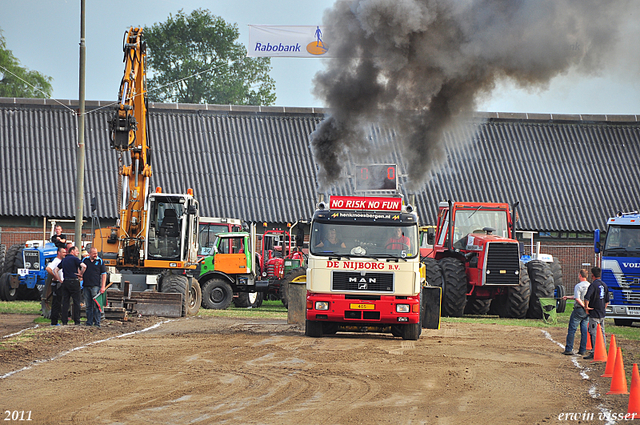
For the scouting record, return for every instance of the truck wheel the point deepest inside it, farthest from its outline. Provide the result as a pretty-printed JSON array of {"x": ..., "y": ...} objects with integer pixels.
[
  {"x": 216, "y": 294},
  {"x": 195, "y": 297},
  {"x": 477, "y": 306},
  {"x": 412, "y": 331},
  {"x": 312, "y": 328},
  {"x": 177, "y": 284},
  {"x": 10, "y": 258},
  {"x": 561, "y": 305},
  {"x": 330, "y": 328},
  {"x": 454, "y": 287},
  {"x": 541, "y": 286},
  {"x": 295, "y": 275},
  {"x": 516, "y": 302}
]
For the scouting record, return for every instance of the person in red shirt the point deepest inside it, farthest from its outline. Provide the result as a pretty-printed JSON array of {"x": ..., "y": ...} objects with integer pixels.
[{"x": 398, "y": 240}]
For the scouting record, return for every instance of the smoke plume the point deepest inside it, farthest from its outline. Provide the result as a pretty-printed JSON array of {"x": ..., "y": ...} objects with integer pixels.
[{"x": 421, "y": 66}]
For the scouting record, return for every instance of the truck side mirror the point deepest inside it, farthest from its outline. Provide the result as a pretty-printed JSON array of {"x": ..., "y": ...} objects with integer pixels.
[
  {"x": 596, "y": 241},
  {"x": 192, "y": 210},
  {"x": 299, "y": 237}
]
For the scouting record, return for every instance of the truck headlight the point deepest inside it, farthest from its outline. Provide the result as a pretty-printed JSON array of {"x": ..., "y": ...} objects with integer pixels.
[
  {"x": 322, "y": 305},
  {"x": 402, "y": 308}
]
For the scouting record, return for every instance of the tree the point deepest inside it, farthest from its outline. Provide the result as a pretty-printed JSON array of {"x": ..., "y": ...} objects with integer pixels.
[
  {"x": 18, "y": 81},
  {"x": 196, "y": 59}
]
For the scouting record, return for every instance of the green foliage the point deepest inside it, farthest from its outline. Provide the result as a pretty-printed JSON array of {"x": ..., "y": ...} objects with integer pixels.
[
  {"x": 186, "y": 45},
  {"x": 18, "y": 81}
]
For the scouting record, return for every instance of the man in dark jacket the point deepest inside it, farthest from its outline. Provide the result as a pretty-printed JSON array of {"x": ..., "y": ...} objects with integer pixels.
[
  {"x": 72, "y": 269},
  {"x": 596, "y": 300}
]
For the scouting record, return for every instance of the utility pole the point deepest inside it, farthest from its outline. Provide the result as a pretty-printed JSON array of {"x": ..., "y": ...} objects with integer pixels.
[{"x": 80, "y": 176}]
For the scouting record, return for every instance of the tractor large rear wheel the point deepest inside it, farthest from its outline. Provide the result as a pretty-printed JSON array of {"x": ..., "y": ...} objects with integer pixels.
[
  {"x": 454, "y": 287},
  {"x": 4, "y": 281},
  {"x": 541, "y": 280},
  {"x": 173, "y": 283},
  {"x": 10, "y": 259},
  {"x": 476, "y": 306},
  {"x": 216, "y": 294},
  {"x": 3, "y": 252},
  {"x": 516, "y": 302}
]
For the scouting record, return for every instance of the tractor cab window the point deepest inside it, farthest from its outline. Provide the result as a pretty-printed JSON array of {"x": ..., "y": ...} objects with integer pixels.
[
  {"x": 165, "y": 231},
  {"x": 235, "y": 245},
  {"x": 364, "y": 240},
  {"x": 207, "y": 236},
  {"x": 475, "y": 221}
]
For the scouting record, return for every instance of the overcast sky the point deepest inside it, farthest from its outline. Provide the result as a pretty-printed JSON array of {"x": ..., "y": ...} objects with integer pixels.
[{"x": 44, "y": 35}]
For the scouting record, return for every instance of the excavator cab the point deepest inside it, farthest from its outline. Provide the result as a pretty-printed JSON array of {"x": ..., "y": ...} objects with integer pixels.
[{"x": 173, "y": 228}]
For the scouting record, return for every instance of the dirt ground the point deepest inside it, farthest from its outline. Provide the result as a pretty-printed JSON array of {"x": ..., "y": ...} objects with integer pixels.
[{"x": 221, "y": 370}]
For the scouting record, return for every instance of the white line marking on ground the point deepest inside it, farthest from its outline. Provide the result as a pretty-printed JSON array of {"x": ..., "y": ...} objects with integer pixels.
[
  {"x": 18, "y": 333},
  {"x": 37, "y": 362},
  {"x": 593, "y": 391}
]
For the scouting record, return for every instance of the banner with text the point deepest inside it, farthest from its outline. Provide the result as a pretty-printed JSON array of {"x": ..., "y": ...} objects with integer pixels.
[{"x": 293, "y": 41}]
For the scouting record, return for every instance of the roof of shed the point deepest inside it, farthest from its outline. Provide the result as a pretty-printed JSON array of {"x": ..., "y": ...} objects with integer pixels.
[{"x": 569, "y": 172}]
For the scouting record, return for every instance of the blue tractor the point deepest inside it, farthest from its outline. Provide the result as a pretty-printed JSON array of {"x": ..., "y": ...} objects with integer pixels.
[{"x": 24, "y": 275}]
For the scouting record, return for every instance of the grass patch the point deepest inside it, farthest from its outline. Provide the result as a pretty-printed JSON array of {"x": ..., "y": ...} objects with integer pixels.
[
  {"x": 269, "y": 310},
  {"x": 20, "y": 307}
]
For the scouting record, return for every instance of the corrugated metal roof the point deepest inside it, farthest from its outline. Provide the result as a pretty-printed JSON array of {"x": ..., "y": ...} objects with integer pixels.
[{"x": 569, "y": 172}]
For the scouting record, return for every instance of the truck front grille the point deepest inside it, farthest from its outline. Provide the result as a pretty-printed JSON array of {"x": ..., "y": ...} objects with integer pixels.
[
  {"x": 502, "y": 262},
  {"x": 365, "y": 282}
]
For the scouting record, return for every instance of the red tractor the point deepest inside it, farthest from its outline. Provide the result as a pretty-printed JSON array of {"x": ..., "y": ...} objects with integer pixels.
[
  {"x": 475, "y": 258},
  {"x": 282, "y": 260}
]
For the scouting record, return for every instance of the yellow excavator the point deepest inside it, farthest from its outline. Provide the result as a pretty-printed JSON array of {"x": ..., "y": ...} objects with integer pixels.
[{"x": 155, "y": 240}]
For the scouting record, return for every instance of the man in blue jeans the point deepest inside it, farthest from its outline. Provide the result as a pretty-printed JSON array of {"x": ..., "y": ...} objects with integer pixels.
[
  {"x": 94, "y": 280},
  {"x": 579, "y": 316}
]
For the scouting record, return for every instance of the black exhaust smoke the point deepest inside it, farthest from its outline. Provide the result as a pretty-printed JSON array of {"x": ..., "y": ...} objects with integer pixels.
[{"x": 421, "y": 66}]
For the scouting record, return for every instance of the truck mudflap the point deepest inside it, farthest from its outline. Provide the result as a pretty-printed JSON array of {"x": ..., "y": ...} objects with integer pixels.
[
  {"x": 385, "y": 309},
  {"x": 431, "y": 303}
]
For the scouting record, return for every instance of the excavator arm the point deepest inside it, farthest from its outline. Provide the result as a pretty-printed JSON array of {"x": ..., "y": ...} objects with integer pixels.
[{"x": 129, "y": 134}]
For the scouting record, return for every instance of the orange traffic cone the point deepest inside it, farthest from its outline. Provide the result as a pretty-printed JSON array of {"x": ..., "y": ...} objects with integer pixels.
[
  {"x": 619, "y": 381},
  {"x": 589, "y": 346},
  {"x": 600, "y": 351},
  {"x": 634, "y": 393},
  {"x": 611, "y": 358}
]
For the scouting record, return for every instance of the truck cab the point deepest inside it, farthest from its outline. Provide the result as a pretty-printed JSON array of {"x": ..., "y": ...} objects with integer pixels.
[
  {"x": 620, "y": 264},
  {"x": 364, "y": 268}
]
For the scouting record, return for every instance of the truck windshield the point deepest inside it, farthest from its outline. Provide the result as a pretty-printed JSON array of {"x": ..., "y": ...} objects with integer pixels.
[
  {"x": 364, "y": 240},
  {"x": 622, "y": 241}
]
